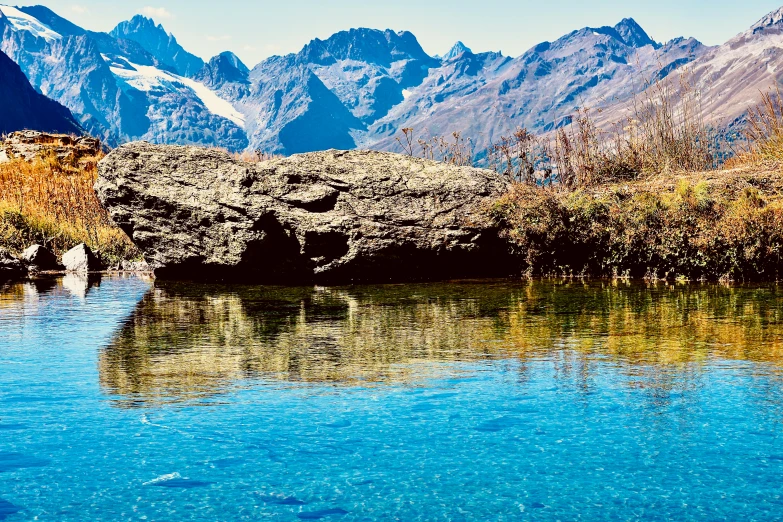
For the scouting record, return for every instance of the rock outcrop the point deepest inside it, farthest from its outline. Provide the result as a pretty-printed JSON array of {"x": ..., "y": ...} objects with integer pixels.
[
  {"x": 329, "y": 216},
  {"x": 29, "y": 145}
]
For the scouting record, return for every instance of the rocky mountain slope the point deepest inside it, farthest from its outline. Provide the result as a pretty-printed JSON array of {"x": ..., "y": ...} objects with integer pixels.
[
  {"x": 359, "y": 88},
  {"x": 725, "y": 81},
  {"x": 732, "y": 75},
  {"x": 486, "y": 95},
  {"x": 24, "y": 108}
]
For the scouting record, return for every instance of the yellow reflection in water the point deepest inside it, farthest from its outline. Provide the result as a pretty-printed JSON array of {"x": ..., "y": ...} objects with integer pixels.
[{"x": 186, "y": 340}]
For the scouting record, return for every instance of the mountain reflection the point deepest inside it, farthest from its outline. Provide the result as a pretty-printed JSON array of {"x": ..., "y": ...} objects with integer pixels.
[{"x": 185, "y": 341}]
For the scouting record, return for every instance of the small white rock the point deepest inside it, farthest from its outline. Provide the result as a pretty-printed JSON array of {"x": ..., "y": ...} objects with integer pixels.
[{"x": 80, "y": 259}]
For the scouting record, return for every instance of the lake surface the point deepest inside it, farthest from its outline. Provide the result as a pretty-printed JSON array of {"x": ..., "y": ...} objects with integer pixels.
[{"x": 126, "y": 399}]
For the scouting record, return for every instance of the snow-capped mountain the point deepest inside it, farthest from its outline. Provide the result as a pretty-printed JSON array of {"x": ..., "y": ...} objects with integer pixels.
[
  {"x": 326, "y": 95},
  {"x": 118, "y": 89},
  {"x": 359, "y": 88},
  {"x": 24, "y": 108},
  {"x": 369, "y": 70}
]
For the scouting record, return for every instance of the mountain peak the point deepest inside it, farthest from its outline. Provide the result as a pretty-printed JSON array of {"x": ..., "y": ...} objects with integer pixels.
[
  {"x": 224, "y": 68},
  {"x": 775, "y": 18},
  {"x": 362, "y": 44},
  {"x": 457, "y": 50},
  {"x": 233, "y": 60},
  {"x": 140, "y": 22},
  {"x": 633, "y": 34},
  {"x": 156, "y": 41},
  {"x": 140, "y": 28}
]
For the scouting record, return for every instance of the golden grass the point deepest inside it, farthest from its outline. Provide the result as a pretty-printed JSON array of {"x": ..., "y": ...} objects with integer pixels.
[
  {"x": 763, "y": 132},
  {"x": 49, "y": 203}
]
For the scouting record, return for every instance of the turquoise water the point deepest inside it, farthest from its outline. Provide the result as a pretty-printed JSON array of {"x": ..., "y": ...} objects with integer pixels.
[{"x": 121, "y": 399}]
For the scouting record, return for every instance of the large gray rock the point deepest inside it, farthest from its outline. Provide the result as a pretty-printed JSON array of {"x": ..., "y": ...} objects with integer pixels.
[
  {"x": 81, "y": 259},
  {"x": 320, "y": 217},
  {"x": 40, "y": 257},
  {"x": 10, "y": 267}
]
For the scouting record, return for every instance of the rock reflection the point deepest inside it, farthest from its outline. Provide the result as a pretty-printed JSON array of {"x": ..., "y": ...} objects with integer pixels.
[{"x": 185, "y": 341}]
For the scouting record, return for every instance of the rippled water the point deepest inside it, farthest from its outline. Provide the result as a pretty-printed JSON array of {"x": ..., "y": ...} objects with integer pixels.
[{"x": 122, "y": 399}]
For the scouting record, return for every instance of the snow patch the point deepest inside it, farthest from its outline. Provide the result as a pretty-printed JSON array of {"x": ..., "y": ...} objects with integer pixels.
[
  {"x": 213, "y": 102},
  {"x": 146, "y": 78},
  {"x": 24, "y": 22}
]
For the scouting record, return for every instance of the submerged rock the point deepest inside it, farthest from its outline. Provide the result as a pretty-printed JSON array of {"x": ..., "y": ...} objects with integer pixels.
[
  {"x": 328, "y": 216},
  {"x": 10, "y": 267},
  {"x": 40, "y": 257},
  {"x": 80, "y": 259}
]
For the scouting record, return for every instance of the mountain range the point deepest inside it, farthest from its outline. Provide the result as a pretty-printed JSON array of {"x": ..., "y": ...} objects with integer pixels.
[{"x": 359, "y": 88}]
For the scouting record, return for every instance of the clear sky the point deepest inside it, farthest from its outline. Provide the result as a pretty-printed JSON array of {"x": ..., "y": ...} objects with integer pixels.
[{"x": 257, "y": 29}]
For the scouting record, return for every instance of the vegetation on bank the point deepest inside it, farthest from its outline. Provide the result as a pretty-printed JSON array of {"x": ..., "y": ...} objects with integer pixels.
[
  {"x": 52, "y": 203},
  {"x": 659, "y": 194},
  {"x": 725, "y": 225}
]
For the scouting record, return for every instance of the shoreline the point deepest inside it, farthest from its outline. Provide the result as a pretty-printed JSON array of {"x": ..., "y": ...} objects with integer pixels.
[{"x": 715, "y": 226}]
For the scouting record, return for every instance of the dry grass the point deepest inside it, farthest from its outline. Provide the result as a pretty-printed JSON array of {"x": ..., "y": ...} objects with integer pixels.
[
  {"x": 646, "y": 197},
  {"x": 54, "y": 204},
  {"x": 763, "y": 132},
  {"x": 663, "y": 132}
]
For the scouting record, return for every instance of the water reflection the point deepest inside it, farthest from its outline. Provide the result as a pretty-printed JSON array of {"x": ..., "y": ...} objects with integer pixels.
[{"x": 185, "y": 341}]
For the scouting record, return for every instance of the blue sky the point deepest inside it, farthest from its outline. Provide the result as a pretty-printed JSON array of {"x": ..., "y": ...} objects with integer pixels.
[{"x": 257, "y": 29}]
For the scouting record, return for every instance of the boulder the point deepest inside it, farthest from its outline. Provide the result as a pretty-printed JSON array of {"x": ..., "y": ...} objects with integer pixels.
[
  {"x": 40, "y": 257},
  {"x": 332, "y": 216},
  {"x": 10, "y": 267},
  {"x": 80, "y": 259}
]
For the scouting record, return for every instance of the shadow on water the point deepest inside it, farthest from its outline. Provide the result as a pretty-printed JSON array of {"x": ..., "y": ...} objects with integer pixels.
[{"x": 185, "y": 341}]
